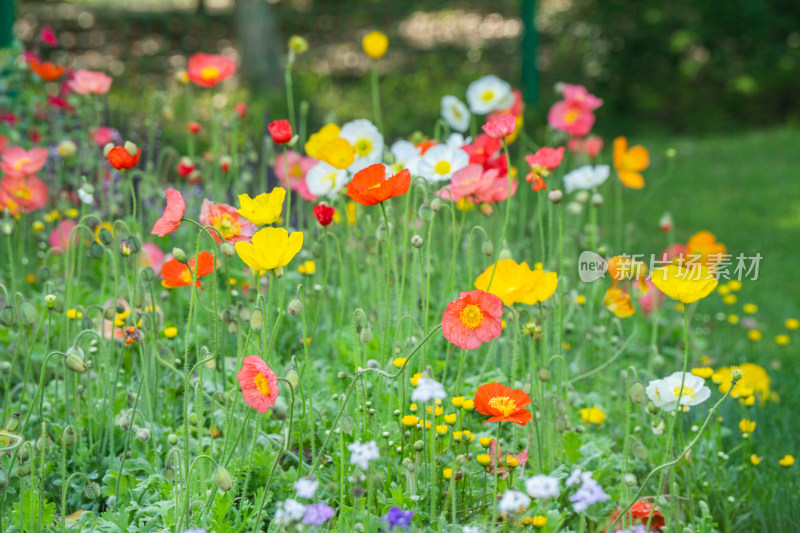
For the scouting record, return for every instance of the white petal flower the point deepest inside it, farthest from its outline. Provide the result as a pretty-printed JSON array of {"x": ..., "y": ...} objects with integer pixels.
[
  {"x": 669, "y": 390},
  {"x": 514, "y": 502},
  {"x": 289, "y": 511},
  {"x": 586, "y": 177},
  {"x": 306, "y": 487},
  {"x": 325, "y": 180},
  {"x": 441, "y": 161},
  {"x": 367, "y": 141},
  {"x": 488, "y": 94},
  {"x": 86, "y": 197},
  {"x": 541, "y": 486},
  {"x": 428, "y": 389},
  {"x": 456, "y": 140},
  {"x": 362, "y": 454},
  {"x": 455, "y": 113},
  {"x": 406, "y": 155}
]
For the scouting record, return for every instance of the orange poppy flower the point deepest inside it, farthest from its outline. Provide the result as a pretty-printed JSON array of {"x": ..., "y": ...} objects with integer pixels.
[
  {"x": 630, "y": 163},
  {"x": 502, "y": 403},
  {"x": 370, "y": 186},
  {"x": 177, "y": 274},
  {"x": 47, "y": 70},
  {"x": 123, "y": 157},
  {"x": 618, "y": 302},
  {"x": 704, "y": 248}
]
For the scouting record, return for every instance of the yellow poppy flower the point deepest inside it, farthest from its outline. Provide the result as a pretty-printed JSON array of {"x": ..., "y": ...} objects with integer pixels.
[
  {"x": 375, "y": 44},
  {"x": 271, "y": 248},
  {"x": 517, "y": 283},
  {"x": 264, "y": 208},
  {"x": 686, "y": 284}
]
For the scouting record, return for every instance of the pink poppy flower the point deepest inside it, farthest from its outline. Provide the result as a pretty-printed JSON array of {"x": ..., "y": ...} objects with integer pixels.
[
  {"x": 89, "y": 82},
  {"x": 496, "y": 190},
  {"x": 48, "y": 36},
  {"x": 578, "y": 94},
  {"x": 171, "y": 218},
  {"x": 3, "y": 142},
  {"x": 22, "y": 194},
  {"x": 226, "y": 218},
  {"x": 59, "y": 237},
  {"x": 591, "y": 145},
  {"x": 500, "y": 126},
  {"x": 570, "y": 117},
  {"x": 473, "y": 319},
  {"x": 545, "y": 159},
  {"x": 482, "y": 148},
  {"x": 467, "y": 182},
  {"x": 298, "y": 168},
  {"x": 17, "y": 161},
  {"x": 151, "y": 256},
  {"x": 207, "y": 70},
  {"x": 103, "y": 135},
  {"x": 259, "y": 384}
]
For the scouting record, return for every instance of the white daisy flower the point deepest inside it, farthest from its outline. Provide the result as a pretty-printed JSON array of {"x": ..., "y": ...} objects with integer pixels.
[
  {"x": 455, "y": 113},
  {"x": 362, "y": 454},
  {"x": 325, "y": 180},
  {"x": 586, "y": 177},
  {"x": 666, "y": 393},
  {"x": 306, "y": 487},
  {"x": 541, "y": 486},
  {"x": 441, "y": 161},
  {"x": 367, "y": 141},
  {"x": 514, "y": 501},
  {"x": 488, "y": 94},
  {"x": 406, "y": 155},
  {"x": 456, "y": 140},
  {"x": 428, "y": 389}
]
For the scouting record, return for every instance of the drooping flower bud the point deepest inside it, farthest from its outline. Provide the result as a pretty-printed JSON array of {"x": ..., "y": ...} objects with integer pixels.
[
  {"x": 227, "y": 249},
  {"x": 69, "y": 437},
  {"x": 295, "y": 306},
  {"x": 555, "y": 196},
  {"x": 638, "y": 392},
  {"x": 365, "y": 335},
  {"x": 257, "y": 319},
  {"x": 223, "y": 479},
  {"x": 293, "y": 377},
  {"x": 487, "y": 248},
  {"x": 417, "y": 241},
  {"x": 179, "y": 255},
  {"x": 75, "y": 361},
  {"x": 92, "y": 491}
]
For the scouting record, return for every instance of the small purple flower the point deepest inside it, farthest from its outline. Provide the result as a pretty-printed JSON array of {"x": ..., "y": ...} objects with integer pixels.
[
  {"x": 317, "y": 514},
  {"x": 589, "y": 493},
  {"x": 397, "y": 517}
]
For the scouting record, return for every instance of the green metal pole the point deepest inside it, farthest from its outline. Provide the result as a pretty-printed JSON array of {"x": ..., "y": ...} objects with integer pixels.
[
  {"x": 6, "y": 22},
  {"x": 530, "y": 44}
]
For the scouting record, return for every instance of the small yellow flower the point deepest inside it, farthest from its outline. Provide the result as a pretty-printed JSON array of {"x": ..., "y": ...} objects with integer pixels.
[
  {"x": 595, "y": 415},
  {"x": 170, "y": 332},
  {"x": 72, "y": 212},
  {"x": 427, "y": 424},
  {"x": 723, "y": 290},
  {"x": 441, "y": 430},
  {"x": 410, "y": 421},
  {"x": 308, "y": 268},
  {"x": 749, "y": 401},
  {"x": 503, "y": 325},
  {"x": 729, "y": 299},
  {"x": 484, "y": 459},
  {"x": 450, "y": 419},
  {"x": 264, "y": 208},
  {"x": 539, "y": 521},
  {"x": 747, "y": 426},
  {"x": 755, "y": 460},
  {"x": 298, "y": 44},
  {"x": 38, "y": 226},
  {"x": 412, "y": 408},
  {"x": 787, "y": 461},
  {"x": 754, "y": 335},
  {"x": 399, "y": 362},
  {"x": 792, "y": 324},
  {"x": 465, "y": 205},
  {"x": 468, "y": 435},
  {"x": 733, "y": 319},
  {"x": 73, "y": 314},
  {"x": 30, "y": 277},
  {"x": 735, "y": 284},
  {"x": 457, "y": 401},
  {"x": 750, "y": 309},
  {"x": 705, "y": 360},
  {"x": 782, "y": 340},
  {"x": 703, "y": 372},
  {"x": 439, "y": 410},
  {"x": 414, "y": 380},
  {"x": 485, "y": 441},
  {"x": 512, "y": 462},
  {"x": 447, "y": 473},
  {"x": 580, "y": 299},
  {"x": 232, "y": 282},
  {"x": 468, "y": 405},
  {"x": 457, "y": 436},
  {"x": 375, "y": 44},
  {"x": 351, "y": 212}
]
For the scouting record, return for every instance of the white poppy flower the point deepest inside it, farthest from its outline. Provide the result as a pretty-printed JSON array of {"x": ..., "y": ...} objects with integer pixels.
[
  {"x": 441, "y": 161},
  {"x": 488, "y": 94},
  {"x": 406, "y": 155},
  {"x": 325, "y": 180},
  {"x": 367, "y": 141},
  {"x": 666, "y": 393},
  {"x": 455, "y": 113},
  {"x": 586, "y": 177}
]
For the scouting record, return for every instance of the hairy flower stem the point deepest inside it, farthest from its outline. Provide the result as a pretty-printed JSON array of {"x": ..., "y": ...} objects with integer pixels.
[
  {"x": 385, "y": 339},
  {"x": 505, "y": 220}
]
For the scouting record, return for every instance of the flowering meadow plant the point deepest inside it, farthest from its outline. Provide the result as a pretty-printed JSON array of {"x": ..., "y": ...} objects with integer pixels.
[{"x": 335, "y": 326}]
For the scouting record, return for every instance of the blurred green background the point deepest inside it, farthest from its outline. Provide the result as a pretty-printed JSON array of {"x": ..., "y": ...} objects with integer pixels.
[{"x": 668, "y": 67}]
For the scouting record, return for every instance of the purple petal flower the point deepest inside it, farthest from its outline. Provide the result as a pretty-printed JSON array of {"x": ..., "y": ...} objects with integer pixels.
[
  {"x": 397, "y": 517},
  {"x": 317, "y": 514}
]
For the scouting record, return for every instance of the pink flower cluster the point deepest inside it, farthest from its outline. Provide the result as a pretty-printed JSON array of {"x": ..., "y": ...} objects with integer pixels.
[{"x": 575, "y": 113}]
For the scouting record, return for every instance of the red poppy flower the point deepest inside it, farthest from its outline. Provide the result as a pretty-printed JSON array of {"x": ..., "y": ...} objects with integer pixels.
[
  {"x": 472, "y": 319},
  {"x": 240, "y": 109},
  {"x": 194, "y": 128},
  {"x": 171, "y": 218},
  {"x": 370, "y": 186},
  {"x": 500, "y": 126},
  {"x": 639, "y": 513},
  {"x": 45, "y": 70},
  {"x": 177, "y": 274},
  {"x": 124, "y": 157},
  {"x": 207, "y": 70},
  {"x": 324, "y": 214},
  {"x": 281, "y": 131},
  {"x": 502, "y": 403}
]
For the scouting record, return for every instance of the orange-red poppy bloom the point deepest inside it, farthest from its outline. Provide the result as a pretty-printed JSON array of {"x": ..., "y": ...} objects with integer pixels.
[
  {"x": 45, "y": 70},
  {"x": 502, "y": 404},
  {"x": 704, "y": 248},
  {"x": 177, "y": 274},
  {"x": 370, "y": 186},
  {"x": 207, "y": 70},
  {"x": 630, "y": 163},
  {"x": 122, "y": 159},
  {"x": 639, "y": 513}
]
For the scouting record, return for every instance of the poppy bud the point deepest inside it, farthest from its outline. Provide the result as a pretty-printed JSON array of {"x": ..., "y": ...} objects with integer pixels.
[
  {"x": 652, "y": 408},
  {"x": 419, "y": 445},
  {"x": 5, "y": 367},
  {"x": 27, "y": 313},
  {"x": 365, "y": 335},
  {"x": 639, "y": 450},
  {"x": 23, "y": 469},
  {"x": 324, "y": 214},
  {"x": 223, "y": 479},
  {"x": 12, "y": 423},
  {"x": 233, "y": 328},
  {"x": 227, "y": 249},
  {"x": 92, "y": 491},
  {"x": 125, "y": 248},
  {"x": 279, "y": 272},
  {"x": 179, "y": 255},
  {"x": 8, "y": 316},
  {"x": 194, "y": 128},
  {"x": 597, "y": 199},
  {"x": 665, "y": 222},
  {"x": 629, "y": 479},
  {"x": 505, "y": 253},
  {"x": 638, "y": 392},
  {"x": 736, "y": 374},
  {"x": 562, "y": 424},
  {"x": 544, "y": 374},
  {"x": 436, "y": 204},
  {"x": 293, "y": 377},
  {"x": 257, "y": 319},
  {"x": 105, "y": 237},
  {"x": 425, "y": 213},
  {"x": 658, "y": 425},
  {"x": 75, "y": 362},
  {"x": 143, "y": 434},
  {"x": 172, "y": 439},
  {"x": 487, "y": 248},
  {"x": 298, "y": 44},
  {"x": 169, "y": 473},
  {"x": 555, "y": 196},
  {"x": 225, "y": 163},
  {"x": 96, "y": 250},
  {"x": 295, "y": 306},
  {"x": 347, "y": 425},
  {"x": 44, "y": 443},
  {"x": 69, "y": 437},
  {"x": 417, "y": 241}
]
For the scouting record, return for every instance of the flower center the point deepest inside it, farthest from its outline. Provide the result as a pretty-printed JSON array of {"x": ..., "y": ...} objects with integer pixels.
[
  {"x": 442, "y": 167},
  {"x": 571, "y": 116},
  {"x": 227, "y": 225},
  {"x": 363, "y": 147},
  {"x": 487, "y": 96},
  {"x": 22, "y": 192},
  {"x": 21, "y": 161},
  {"x": 209, "y": 73},
  {"x": 262, "y": 383},
  {"x": 455, "y": 111},
  {"x": 504, "y": 404},
  {"x": 687, "y": 391},
  {"x": 296, "y": 171},
  {"x": 471, "y": 316},
  {"x": 186, "y": 276}
]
